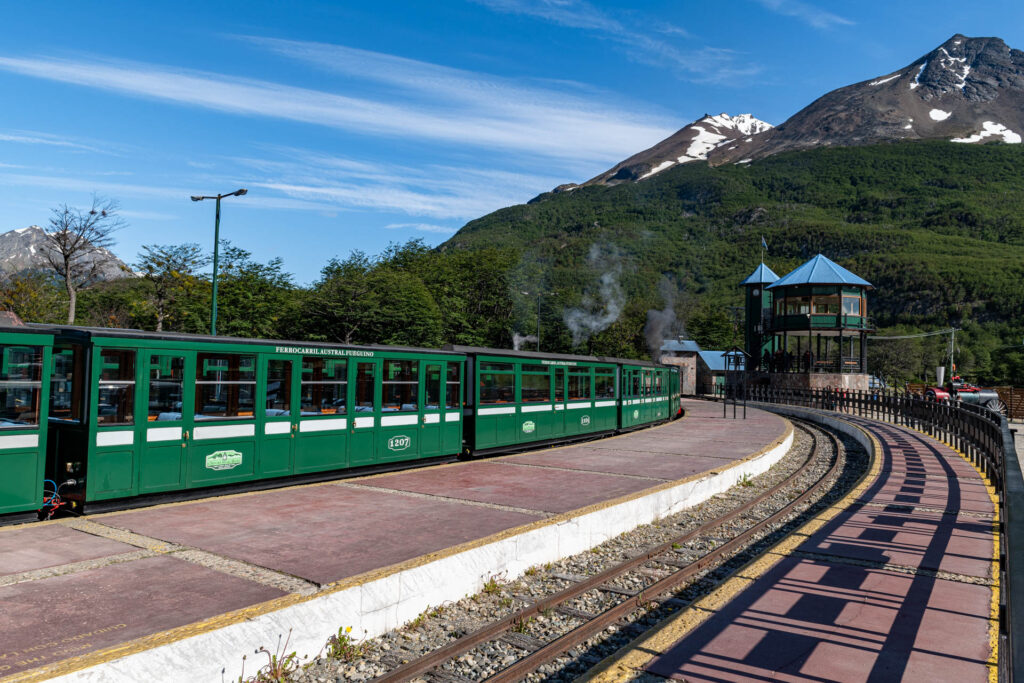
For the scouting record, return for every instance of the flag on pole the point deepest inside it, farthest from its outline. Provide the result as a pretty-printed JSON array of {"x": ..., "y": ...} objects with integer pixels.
[{"x": 764, "y": 245}]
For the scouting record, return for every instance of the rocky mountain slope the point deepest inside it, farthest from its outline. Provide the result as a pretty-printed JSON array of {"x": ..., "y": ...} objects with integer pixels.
[
  {"x": 22, "y": 250},
  {"x": 967, "y": 90}
]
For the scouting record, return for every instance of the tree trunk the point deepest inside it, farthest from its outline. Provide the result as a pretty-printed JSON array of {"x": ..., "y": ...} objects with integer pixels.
[
  {"x": 160, "y": 318},
  {"x": 72, "y": 300}
]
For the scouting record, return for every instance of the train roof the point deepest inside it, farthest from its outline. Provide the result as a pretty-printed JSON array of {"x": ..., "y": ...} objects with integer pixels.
[
  {"x": 540, "y": 355},
  {"x": 125, "y": 333}
]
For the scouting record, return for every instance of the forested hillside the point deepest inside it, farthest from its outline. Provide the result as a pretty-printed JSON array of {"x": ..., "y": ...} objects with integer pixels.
[{"x": 937, "y": 227}]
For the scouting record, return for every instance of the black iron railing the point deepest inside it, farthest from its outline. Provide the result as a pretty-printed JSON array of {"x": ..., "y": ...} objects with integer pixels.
[{"x": 980, "y": 434}]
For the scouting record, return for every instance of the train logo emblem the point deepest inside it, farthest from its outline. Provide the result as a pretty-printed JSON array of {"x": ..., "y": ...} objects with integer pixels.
[
  {"x": 636, "y": 414},
  {"x": 529, "y": 427},
  {"x": 585, "y": 420},
  {"x": 399, "y": 443},
  {"x": 223, "y": 460}
]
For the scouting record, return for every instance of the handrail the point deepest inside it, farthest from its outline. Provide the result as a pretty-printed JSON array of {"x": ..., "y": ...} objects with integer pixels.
[{"x": 984, "y": 437}]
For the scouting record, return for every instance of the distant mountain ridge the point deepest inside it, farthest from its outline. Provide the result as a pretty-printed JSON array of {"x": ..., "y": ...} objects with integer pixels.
[
  {"x": 967, "y": 90},
  {"x": 22, "y": 250}
]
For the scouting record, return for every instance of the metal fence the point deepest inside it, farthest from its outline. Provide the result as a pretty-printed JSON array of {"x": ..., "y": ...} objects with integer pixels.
[{"x": 985, "y": 438}]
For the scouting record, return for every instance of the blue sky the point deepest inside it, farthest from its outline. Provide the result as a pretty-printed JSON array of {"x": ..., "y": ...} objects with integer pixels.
[{"x": 354, "y": 124}]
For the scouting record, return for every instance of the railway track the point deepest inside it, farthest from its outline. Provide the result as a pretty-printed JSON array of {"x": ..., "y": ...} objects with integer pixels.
[{"x": 665, "y": 568}]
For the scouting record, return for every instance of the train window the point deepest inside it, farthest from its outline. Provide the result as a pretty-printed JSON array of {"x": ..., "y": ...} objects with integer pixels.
[
  {"x": 278, "y": 401},
  {"x": 401, "y": 385},
  {"x": 116, "y": 401},
  {"x": 851, "y": 305},
  {"x": 325, "y": 386},
  {"x": 657, "y": 384},
  {"x": 536, "y": 368},
  {"x": 166, "y": 380},
  {"x": 20, "y": 386},
  {"x": 634, "y": 384},
  {"x": 579, "y": 386},
  {"x": 536, "y": 386},
  {"x": 433, "y": 388},
  {"x": 66, "y": 383},
  {"x": 648, "y": 383},
  {"x": 604, "y": 383},
  {"x": 225, "y": 386},
  {"x": 454, "y": 384},
  {"x": 365, "y": 380},
  {"x": 497, "y": 383},
  {"x": 559, "y": 384}
]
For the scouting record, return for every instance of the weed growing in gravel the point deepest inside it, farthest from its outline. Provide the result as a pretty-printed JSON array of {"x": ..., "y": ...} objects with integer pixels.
[
  {"x": 344, "y": 648},
  {"x": 746, "y": 480},
  {"x": 492, "y": 586},
  {"x": 279, "y": 667},
  {"x": 532, "y": 571},
  {"x": 676, "y": 546},
  {"x": 521, "y": 625},
  {"x": 548, "y": 566},
  {"x": 505, "y": 601}
]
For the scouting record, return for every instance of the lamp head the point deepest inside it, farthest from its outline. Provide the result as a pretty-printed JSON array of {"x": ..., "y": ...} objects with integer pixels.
[
  {"x": 196, "y": 199},
  {"x": 239, "y": 193}
]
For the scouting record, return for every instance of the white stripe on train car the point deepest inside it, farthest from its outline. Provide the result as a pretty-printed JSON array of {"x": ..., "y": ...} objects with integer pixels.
[
  {"x": 535, "y": 409},
  {"x": 604, "y": 404},
  {"x": 120, "y": 438},
  {"x": 431, "y": 419},
  {"x": 277, "y": 427},
  {"x": 451, "y": 417},
  {"x": 504, "y": 410},
  {"x": 19, "y": 441},
  {"x": 361, "y": 422},
  {"x": 163, "y": 434},
  {"x": 577, "y": 406},
  {"x": 225, "y": 431},
  {"x": 395, "y": 420},
  {"x": 328, "y": 425}
]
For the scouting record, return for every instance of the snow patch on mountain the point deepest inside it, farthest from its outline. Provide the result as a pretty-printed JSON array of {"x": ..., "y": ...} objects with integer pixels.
[
  {"x": 880, "y": 81},
  {"x": 917, "y": 78},
  {"x": 939, "y": 115},
  {"x": 989, "y": 129}
]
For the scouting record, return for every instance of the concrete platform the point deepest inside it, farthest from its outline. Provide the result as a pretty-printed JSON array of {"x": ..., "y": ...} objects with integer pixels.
[
  {"x": 181, "y": 591},
  {"x": 896, "y": 582}
]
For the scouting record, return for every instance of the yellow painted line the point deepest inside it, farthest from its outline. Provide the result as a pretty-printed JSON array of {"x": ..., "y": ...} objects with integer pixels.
[
  {"x": 624, "y": 664},
  {"x": 220, "y": 621}
]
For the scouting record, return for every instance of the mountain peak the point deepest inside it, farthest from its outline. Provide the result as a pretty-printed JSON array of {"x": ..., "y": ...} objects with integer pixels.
[
  {"x": 690, "y": 143},
  {"x": 966, "y": 90}
]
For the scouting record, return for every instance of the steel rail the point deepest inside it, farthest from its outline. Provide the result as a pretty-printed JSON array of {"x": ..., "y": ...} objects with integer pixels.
[{"x": 544, "y": 654}]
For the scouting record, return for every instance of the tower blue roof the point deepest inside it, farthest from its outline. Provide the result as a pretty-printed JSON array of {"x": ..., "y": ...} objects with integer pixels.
[
  {"x": 761, "y": 275},
  {"x": 820, "y": 271}
]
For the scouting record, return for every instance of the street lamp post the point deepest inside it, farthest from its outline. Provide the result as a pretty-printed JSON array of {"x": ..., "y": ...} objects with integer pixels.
[{"x": 216, "y": 250}]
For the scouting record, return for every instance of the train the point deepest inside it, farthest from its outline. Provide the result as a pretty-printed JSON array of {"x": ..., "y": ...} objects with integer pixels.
[
  {"x": 96, "y": 419},
  {"x": 957, "y": 390}
]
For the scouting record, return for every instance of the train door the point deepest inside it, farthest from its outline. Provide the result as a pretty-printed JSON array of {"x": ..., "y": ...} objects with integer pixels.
[
  {"x": 169, "y": 399},
  {"x": 322, "y": 441},
  {"x": 364, "y": 399},
  {"x": 558, "y": 426},
  {"x": 113, "y": 468},
  {"x": 431, "y": 405},
  {"x": 400, "y": 410},
  {"x": 451, "y": 420},
  {"x": 222, "y": 446},
  {"x": 24, "y": 389},
  {"x": 280, "y": 416}
]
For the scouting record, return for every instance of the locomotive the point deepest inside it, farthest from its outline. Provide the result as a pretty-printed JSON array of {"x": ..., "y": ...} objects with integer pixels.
[{"x": 964, "y": 392}]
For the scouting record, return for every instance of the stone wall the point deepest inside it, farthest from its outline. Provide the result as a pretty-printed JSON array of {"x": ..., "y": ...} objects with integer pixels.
[{"x": 688, "y": 370}]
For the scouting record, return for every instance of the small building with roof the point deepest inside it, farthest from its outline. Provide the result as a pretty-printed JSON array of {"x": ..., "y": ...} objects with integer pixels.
[
  {"x": 809, "y": 327},
  {"x": 682, "y": 353}
]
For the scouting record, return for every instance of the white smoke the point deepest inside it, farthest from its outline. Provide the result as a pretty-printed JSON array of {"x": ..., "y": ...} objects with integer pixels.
[
  {"x": 518, "y": 340},
  {"x": 597, "y": 314}
]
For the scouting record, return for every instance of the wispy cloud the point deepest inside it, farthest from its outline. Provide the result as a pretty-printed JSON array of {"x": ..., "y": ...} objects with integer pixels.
[
  {"x": 36, "y": 138},
  {"x": 809, "y": 14},
  {"x": 474, "y": 110},
  {"x": 435, "y": 191},
  {"x": 703, "y": 64},
  {"x": 422, "y": 227}
]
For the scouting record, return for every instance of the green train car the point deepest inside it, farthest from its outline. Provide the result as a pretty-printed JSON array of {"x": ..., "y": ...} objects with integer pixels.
[
  {"x": 97, "y": 418},
  {"x": 523, "y": 398}
]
